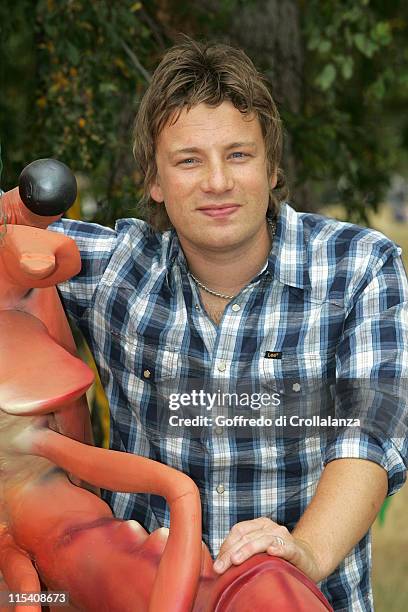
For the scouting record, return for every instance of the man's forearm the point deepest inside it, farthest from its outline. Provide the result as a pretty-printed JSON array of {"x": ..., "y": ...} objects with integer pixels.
[{"x": 348, "y": 497}]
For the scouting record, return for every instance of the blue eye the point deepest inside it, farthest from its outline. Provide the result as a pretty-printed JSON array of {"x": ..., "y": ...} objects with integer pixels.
[{"x": 239, "y": 154}]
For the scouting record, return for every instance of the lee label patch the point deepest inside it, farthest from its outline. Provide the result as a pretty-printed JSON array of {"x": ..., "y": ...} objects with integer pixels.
[{"x": 273, "y": 355}]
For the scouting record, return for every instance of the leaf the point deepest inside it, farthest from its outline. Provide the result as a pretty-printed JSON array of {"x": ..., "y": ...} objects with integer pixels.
[
  {"x": 313, "y": 40},
  {"x": 381, "y": 33},
  {"x": 107, "y": 88},
  {"x": 365, "y": 45},
  {"x": 72, "y": 54},
  {"x": 383, "y": 511},
  {"x": 325, "y": 46},
  {"x": 353, "y": 14},
  {"x": 326, "y": 77},
  {"x": 377, "y": 89}
]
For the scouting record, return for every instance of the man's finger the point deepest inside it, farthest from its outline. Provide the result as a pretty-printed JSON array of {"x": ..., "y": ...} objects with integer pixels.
[
  {"x": 287, "y": 549},
  {"x": 225, "y": 558},
  {"x": 257, "y": 542},
  {"x": 243, "y": 528}
]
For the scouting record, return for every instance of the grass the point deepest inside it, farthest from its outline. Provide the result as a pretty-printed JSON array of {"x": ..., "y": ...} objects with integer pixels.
[{"x": 390, "y": 557}]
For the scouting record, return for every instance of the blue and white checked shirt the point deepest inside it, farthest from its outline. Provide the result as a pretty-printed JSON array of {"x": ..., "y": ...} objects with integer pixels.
[{"x": 331, "y": 301}]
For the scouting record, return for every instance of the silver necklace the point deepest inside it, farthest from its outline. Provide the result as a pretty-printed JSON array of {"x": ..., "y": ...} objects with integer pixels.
[{"x": 224, "y": 296}]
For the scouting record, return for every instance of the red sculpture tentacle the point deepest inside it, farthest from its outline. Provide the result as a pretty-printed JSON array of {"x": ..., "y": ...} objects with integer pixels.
[
  {"x": 17, "y": 213},
  {"x": 180, "y": 567},
  {"x": 18, "y": 571}
]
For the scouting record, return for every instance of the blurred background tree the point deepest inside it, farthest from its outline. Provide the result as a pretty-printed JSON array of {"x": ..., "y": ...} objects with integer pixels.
[{"x": 73, "y": 72}]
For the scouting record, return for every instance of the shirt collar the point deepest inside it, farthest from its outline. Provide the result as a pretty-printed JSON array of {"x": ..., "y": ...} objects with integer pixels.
[
  {"x": 175, "y": 256},
  {"x": 287, "y": 261}
]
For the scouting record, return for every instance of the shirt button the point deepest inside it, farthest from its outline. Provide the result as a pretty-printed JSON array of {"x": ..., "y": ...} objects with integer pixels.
[
  {"x": 296, "y": 387},
  {"x": 218, "y": 431},
  {"x": 236, "y": 307},
  {"x": 222, "y": 367},
  {"x": 220, "y": 489},
  {"x": 147, "y": 373},
  {"x": 197, "y": 306}
]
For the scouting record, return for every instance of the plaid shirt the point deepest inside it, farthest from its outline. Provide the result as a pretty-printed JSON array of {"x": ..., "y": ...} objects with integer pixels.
[{"x": 330, "y": 301}]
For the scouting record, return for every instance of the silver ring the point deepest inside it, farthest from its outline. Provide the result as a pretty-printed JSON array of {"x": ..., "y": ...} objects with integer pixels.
[{"x": 279, "y": 541}]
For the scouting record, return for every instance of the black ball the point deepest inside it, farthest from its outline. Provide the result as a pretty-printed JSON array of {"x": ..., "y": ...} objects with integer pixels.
[{"x": 47, "y": 187}]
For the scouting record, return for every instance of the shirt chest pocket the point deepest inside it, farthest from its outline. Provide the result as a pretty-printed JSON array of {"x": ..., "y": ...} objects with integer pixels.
[
  {"x": 303, "y": 384},
  {"x": 145, "y": 357},
  {"x": 299, "y": 375}
]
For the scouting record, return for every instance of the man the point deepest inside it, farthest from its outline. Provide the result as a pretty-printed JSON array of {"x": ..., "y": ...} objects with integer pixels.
[{"x": 231, "y": 285}]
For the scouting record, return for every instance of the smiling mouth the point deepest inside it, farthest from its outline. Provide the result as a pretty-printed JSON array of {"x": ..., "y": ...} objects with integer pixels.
[{"x": 219, "y": 211}]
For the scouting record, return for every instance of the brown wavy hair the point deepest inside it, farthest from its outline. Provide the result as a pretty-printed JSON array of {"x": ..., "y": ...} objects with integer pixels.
[{"x": 192, "y": 73}]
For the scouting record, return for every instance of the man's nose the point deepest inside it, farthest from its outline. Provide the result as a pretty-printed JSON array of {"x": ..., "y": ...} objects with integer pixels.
[{"x": 218, "y": 178}]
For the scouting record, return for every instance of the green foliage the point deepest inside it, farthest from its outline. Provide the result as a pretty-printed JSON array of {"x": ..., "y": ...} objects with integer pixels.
[
  {"x": 347, "y": 136},
  {"x": 383, "y": 511},
  {"x": 73, "y": 72},
  {"x": 87, "y": 61},
  {"x": 91, "y": 57},
  {"x": 17, "y": 76}
]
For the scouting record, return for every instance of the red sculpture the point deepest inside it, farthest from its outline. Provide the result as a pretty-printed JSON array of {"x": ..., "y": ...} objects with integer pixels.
[{"x": 59, "y": 536}]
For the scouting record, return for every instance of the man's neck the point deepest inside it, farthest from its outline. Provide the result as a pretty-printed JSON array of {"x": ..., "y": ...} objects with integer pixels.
[{"x": 228, "y": 271}]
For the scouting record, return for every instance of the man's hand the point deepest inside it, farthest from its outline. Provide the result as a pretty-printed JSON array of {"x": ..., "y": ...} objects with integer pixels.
[
  {"x": 264, "y": 535},
  {"x": 348, "y": 497}
]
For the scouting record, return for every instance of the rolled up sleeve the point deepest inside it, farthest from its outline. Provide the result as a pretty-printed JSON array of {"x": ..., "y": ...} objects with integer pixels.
[{"x": 372, "y": 369}]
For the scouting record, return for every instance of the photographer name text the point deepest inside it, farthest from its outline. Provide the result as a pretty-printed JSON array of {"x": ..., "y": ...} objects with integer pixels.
[{"x": 261, "y": 421}]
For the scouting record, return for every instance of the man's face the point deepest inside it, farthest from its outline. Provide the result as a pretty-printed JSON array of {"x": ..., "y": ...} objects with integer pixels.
[{"x": 212, "y": 177}]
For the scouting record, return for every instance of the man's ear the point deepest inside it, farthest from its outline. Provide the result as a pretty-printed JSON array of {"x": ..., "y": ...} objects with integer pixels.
[
  {"x": 273, "y": 179},
  {"x": 156, "y": 192}
]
